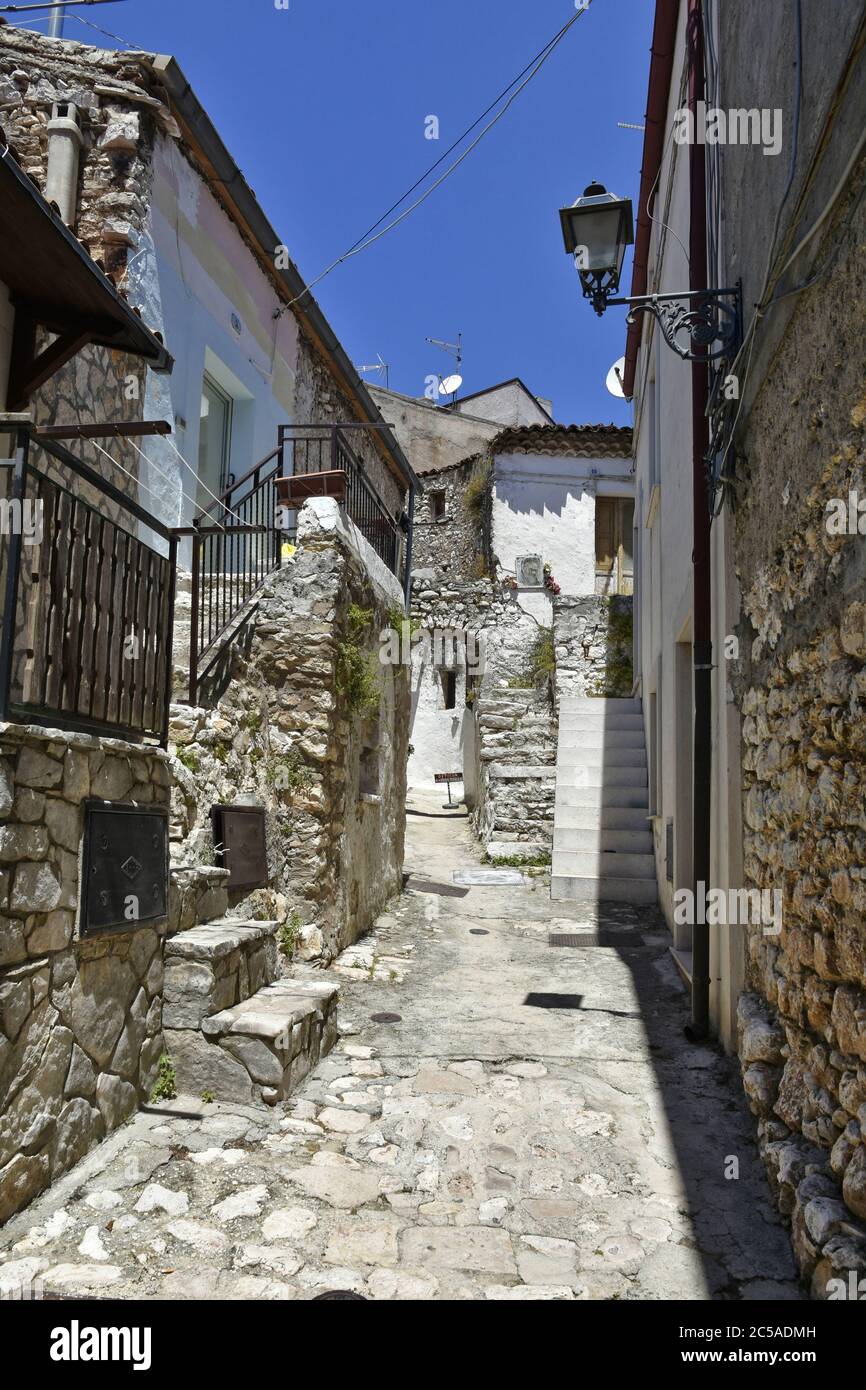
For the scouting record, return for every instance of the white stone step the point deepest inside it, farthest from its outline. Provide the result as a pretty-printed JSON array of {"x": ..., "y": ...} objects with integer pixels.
[
  {"x": 589, "y": 864},
  {"x": 564, "y": 888},
  {"x": 596, "y": 817},
  {"x": 619, "y": 720},
  {"x": 607, "y": 755},
  {"x": 594, "y": 840},
  {"x": 590, "y": 702},
  {"x": 600, "y": 736},
  {"x": 600, "y": 796},
  {"x": 589, "y": 776}
]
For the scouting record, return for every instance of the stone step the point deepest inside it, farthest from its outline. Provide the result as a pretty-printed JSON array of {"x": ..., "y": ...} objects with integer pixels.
[
  {"x": 599, "y": 797},
  {"x": 609, "y": 755},
  {"x": 600, "y": 735},
  {"x": 588, "y": 776},
  {"x": 582, "y": 703},
  {"x": 518, "y": 849},
  {"x": 591, "y": 864},
  {"x": 262, "y": 1048},
  {"x": 565, "y": 888},
  {"x": 215, "y": 966},
  {"x": 598, "y": 719},
  {"x": 596, "y": 818},
  {"x": 595, "y": 839}
]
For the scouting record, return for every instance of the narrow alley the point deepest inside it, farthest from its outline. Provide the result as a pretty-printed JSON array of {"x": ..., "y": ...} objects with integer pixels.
[{"x": 502, "y": 1118}]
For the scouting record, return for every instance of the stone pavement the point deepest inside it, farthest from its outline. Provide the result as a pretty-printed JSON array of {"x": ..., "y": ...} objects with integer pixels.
[{"x": 534, "y": 1126}]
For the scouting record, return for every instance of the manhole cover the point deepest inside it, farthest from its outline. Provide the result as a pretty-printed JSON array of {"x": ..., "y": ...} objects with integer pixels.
[
  {"x": 589, "y": 938},
  {"x": 478, "y": 931},
  {"x": 387, "y": 1018},
  {"x": 340, "y": 1293}
]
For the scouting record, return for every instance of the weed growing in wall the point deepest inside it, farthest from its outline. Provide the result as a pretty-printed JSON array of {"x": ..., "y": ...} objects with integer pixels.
[
  {"x": 166, "y": 1080},
  {"x": 476, "y": 491},
  {"x": 355, "y": 675}
]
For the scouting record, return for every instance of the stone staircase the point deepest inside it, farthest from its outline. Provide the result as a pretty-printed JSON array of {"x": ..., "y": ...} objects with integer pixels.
[
  {"x": 234, "y": 1027},
  {"x": 602, "y": 845},
  {"x": 517, "y": 751}
]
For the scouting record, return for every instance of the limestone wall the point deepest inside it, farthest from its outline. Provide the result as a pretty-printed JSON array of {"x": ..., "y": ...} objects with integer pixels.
[
  {"x": 283, "y": 735},
  {"x": 800, "y": 681},
  {"x": 80, "y": 1020},
  {"x": 593, "y": 645}
]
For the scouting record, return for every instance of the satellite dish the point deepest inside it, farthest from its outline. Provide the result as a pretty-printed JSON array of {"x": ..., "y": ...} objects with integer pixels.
[
  {"x": 450, "y": 385},
  {"x": 613, "y": 381}
]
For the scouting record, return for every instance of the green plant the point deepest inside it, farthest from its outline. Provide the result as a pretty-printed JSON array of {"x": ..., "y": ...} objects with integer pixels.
[
  {"x": 208, "y": 1097},
  {"x": 166, "y": 1080},
  {"x": 221, "y": 752},
  {"x": 289, "y": 774},
  {"x": 396, "y": 617},
  {"x": 617, "y": 678},
  {"x": 189, "y": 758},
  {"x": 254, "y": 721},
  {"x": 542, "y": 657},
  {"x": 520, "y": 682},
  {"x": 355, "y": 676},
  {"x": 288, "y": 934},
  {"x": 517, "y": 861},
  {"x": 476, "y": 491}
]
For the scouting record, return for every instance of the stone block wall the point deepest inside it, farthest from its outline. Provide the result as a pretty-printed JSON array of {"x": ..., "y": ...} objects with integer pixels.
[
  {"x": 458, "y": 542},
  {"x": 593, "y": 644},
  {"x": 800, "y": 682},
  {"x": 80, "y": 1019},
  {"x": 283, "y": 736}
]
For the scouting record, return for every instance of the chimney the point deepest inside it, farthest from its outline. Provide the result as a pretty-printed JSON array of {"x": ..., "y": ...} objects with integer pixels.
[{"x": 64, "y": 149}]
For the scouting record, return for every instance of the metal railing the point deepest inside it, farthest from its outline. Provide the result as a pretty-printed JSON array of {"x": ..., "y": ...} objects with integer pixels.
[
  {"x": 88, "y": 608},
  {"x": 323, "y": 448},
  {"x": 236, "y": 545}
]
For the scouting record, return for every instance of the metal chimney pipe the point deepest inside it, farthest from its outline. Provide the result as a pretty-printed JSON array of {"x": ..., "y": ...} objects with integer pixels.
[{"x": 55, "y": 22}]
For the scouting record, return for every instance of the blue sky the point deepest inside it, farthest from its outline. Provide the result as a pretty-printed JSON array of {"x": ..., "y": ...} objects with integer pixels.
[{"x": 323, "y": 106}]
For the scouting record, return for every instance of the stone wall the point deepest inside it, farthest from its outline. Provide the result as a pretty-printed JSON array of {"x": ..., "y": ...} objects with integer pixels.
[
  {"x": 459, "y": 541},
  {"x": 80, "y": 1019},
  {"x": 800, "y": 681},
  {"x": 113, "y": 188},
  {"x": 516, "y": 772},
  {"x": 282, "y": 735},
  {"x": 593, "y": 645}
]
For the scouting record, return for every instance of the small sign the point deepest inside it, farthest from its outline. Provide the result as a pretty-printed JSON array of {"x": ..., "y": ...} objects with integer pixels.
[
  {"x": 240, "y": 845},
  {"x": 125, "y": 866},
  {"x": 448, "y": 776}
]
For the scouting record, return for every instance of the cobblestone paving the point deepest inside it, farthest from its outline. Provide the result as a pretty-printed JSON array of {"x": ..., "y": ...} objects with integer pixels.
[{"x": 534, "y": 1126}]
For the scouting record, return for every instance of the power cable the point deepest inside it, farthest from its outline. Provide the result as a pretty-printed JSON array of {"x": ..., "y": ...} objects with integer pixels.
[{"x": 367, "y": 239}]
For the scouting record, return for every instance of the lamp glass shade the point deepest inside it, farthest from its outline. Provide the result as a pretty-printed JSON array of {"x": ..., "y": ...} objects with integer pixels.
[{"x": 602, "y": 224}]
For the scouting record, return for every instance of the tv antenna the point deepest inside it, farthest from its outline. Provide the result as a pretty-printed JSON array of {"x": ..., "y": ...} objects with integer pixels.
[
  {"x": 613, "y": 380},
  {"x": 450, "y": 385},
  {"x": 383, "y": 368},
  {"x": 630, "y": 125}
]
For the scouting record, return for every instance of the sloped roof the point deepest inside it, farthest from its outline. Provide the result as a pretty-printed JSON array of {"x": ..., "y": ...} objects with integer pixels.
[{"x": 586, "y": 441}]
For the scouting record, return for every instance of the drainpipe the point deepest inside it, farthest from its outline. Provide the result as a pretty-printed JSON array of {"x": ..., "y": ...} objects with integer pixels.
[
  {"x": 701, "y": 612},
  {"x": 64, "y": 149},
  {"x": 55, "y": 22}
]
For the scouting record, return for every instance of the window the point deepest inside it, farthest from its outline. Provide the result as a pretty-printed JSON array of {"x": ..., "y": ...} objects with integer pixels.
[
  {"x": 449, "y": 689},
  {"x": 614, "y": 566},
  {"x": 214, "y": 441},
  {"x": 437, "y": 505}
]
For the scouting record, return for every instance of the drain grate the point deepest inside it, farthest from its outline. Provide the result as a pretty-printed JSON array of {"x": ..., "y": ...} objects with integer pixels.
[
  {"x": 387, "y": 1018},
  {"x": 340, "y": 1293},
  {"x": 589, "y": 938}
]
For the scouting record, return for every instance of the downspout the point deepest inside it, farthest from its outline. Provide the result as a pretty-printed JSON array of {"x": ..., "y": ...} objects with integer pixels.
[{"x": 701, "y": 611}]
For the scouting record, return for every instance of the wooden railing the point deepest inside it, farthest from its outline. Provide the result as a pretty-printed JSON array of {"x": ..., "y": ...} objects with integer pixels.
[{"x": 88, "y": 601}]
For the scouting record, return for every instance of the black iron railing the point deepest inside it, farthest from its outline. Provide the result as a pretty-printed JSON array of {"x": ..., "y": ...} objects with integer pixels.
[
  {"x": 88, "y": 600},
  {"x": 235, "y": 547},
  {"x": 323, "y": 448}
]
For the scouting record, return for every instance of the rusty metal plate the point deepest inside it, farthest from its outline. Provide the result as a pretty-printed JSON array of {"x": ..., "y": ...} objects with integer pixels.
[
  {"x": 240, "y": 845},
  {"x": 600, "y": 938},
  {"x": 125, "y": 867}
]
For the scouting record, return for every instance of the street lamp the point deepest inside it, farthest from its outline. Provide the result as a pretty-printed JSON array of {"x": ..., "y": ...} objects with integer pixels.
[{"x": 596, "y": 231}]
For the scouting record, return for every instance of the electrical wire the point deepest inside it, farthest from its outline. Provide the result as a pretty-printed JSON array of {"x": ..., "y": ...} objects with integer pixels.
[
  {"x": 367, "y": 239},
  {"x": 188, "y": 466}
]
